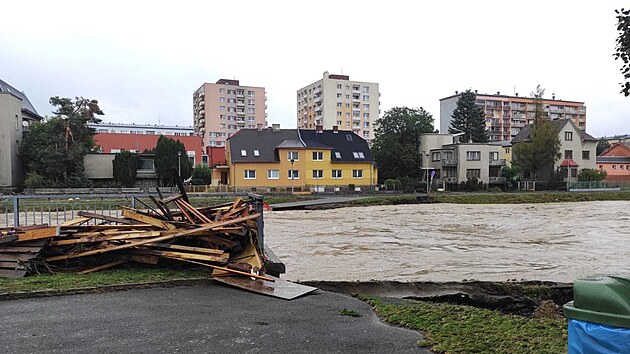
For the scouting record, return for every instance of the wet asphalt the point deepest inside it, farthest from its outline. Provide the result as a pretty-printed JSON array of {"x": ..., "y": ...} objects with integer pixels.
[{"x": 211, "y": 318}]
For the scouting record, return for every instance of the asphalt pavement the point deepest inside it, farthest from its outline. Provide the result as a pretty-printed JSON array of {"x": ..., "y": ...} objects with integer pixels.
[{"x": 210, "y": 318}]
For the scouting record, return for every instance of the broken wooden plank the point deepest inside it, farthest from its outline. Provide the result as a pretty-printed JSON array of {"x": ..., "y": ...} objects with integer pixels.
[
  {"x": 187, "y": 248},
  {"x": 182, "y": 255},
  {"x": 141, "y": 258},
  {"x": 224, "y": 269},
  {"x": 185, "y": 212},
  {"x": 18, "y": 249},
  {"x": 36, "y": 234},
  {"x": 107, "y": 218},
  {"x": 76, "y": 221},
  {"x": 102, "y": 238},
  {"x": 279, "y": 288},
  {"x": 132, "y": 214},
  {"x": 193, "y": 232},
  {"x": 10, "y": 273},
  {"x": 101, "y": 267}
]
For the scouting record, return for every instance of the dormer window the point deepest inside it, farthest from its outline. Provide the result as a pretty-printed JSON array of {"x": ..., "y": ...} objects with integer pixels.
[
  {"x": 337, "y": 154},
  {"x": 358, "y": 155},
  {"x": 348, "y": 137},
  {"x": 256, "y": 153},
  {"x": 243, "y": 152}
]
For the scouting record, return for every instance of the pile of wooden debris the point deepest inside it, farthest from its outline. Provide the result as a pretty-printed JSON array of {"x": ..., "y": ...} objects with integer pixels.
[{"x": 223, "y": 237}]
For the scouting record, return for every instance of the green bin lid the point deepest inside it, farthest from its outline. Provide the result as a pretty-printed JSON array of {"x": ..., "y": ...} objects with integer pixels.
[{"x": 602, "y": 299}]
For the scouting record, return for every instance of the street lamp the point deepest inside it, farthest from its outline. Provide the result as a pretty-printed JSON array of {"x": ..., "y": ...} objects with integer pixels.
[
  {"x": 428, "y": 184},
  {"x": 292, "y": 175},
  {"x": 179, "y": 164}
]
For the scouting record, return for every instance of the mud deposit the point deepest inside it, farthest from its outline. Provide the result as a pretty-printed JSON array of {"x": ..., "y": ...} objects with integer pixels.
[{"x": 452, "y": 242}]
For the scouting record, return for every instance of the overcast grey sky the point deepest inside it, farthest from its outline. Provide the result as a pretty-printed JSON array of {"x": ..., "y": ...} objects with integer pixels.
[{"x": 143, "y": 60}]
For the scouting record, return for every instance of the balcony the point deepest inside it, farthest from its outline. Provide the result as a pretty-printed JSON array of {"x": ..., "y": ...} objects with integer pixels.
[
  {"x": 240, "y": 103},
  {"x": 499, "y": 162},
  {"x": 449, "y": 162},
  {"x": 496, "y": 179},
  {"x": 318, "y": 109},
  {"x": 317, "y": 99},
  {"x": 240, "y": 113},
  {"x": 240, "y": 95}
]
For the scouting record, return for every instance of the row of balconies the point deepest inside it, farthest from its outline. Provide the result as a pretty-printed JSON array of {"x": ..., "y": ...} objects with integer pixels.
[
  {"x": 453, "y": 162},
  {"x": 490, "y": 179}
]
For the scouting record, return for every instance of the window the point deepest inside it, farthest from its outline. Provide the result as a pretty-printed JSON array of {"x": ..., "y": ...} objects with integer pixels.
[
  {"x": 150, "y": 132},
  {"x": 250, "y": 93},
  {"x": 357, "y": 173},
  {"x": 435, "y": 156},
  {"x": 494, "y": 155},
  {"x": 256, "y": 153},
  {"x": 347, "y": 124},
  {"x": 222, "y": 116},
  {"x": 221, "y": 99},
  {"x": 338, "y": 104},
  {"x": 473, "y": 173},
  {"x": 366, "y": 106},
  {"x": 250, "y": 174},
  {"x": 231, "y": 109},
  {"x": 222, "y": 126},
  {"x": 507, "y": 150},
  {"x": 294, "y": 174},
  {"x": 601, "y": 167},
  {"x": 568, "y": 136},
  {"x": 338, "y": 122},
  {"x": 293, "y": 155},
  {"x": 243, "y": 152},
  {"x": 318, "y": 174},
  {"x": 366, "y": 98},
  {"x": 337, "y": 154},
  {"x": 366, "y": 134},
  {"x": 231, "y": 100},
  {"x": 347, "y": 97},
  {"x": 221, "y": 90},
  {"x": 251, "y": 102},
  {"x": 338, "y": 95},
  {"x": 251, "y": 110},
  {"x": 251, "y": 119},
  {"x": 347, "y": 114},
  {"x": 366, "y": 124},
  {"x": 366, "y": 89},
  {"x": 273, "y": 174},
  {"x": 586, "y": 155},
  {"x": 568, "y": 154},
  {"x": 221, "y": 108},
  {"x": 347, "y": 105},
  {"x": 338, "y": 114},
  {"x": 613, "y": 166},
  {"x": 338, "y": 86},
  {"x": 574, "y": 172},
  {"x": 336, "y": 174},
  {"x": 473, "y": 155},
  {"x": 318, "y": 156},
  {"x": 358, "y": 155},
  {"x": 349, "y": 137}
]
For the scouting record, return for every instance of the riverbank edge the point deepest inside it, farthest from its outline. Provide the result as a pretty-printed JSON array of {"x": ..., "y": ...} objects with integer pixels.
[{"x": 478, "y": 198}]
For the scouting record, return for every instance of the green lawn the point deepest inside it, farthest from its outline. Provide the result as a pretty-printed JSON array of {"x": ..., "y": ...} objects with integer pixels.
[
  {"x": 537, "y": 197},
  {"x": 457, "y": 329},
  {"x": 65, "y": 281}
]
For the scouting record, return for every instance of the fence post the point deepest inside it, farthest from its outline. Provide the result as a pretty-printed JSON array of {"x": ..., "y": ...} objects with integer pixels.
[
  {"x": 133, "y": 202},
  {"x": 16, "y": 211}
]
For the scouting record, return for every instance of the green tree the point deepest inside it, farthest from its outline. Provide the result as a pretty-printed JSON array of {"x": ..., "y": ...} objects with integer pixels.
[
  {"x": 167, "y": 161},
  {"x": 602, "y": 145},
  {"x": 589, "y": 174},
  {"x": 622, "y": 48},
  {"x": 54, "y": 149},
  {"x": 512, "y": 176},
  {"x": 125, "y": 168},
  {"x": 202, "y": 175},
  {"x": 469, "y": 118},
  {"x": 542, "y": 149},
  {"x": 396, "y": 142}
]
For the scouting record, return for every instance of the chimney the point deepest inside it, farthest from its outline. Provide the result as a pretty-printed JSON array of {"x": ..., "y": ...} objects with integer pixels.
[
  {"x": 498, "y": 93},
  {"x": 275, "y": 127},
  {"x": 456, "y": 92},
  {"x": 319, "y": 128},
  {"x": 335, "y": 129},
  {"x": 553, "y": 95},
  {"x": 475, "y": 91},
  {"x": 259, "y": 126},
  {"x": 516, "y": 94}
]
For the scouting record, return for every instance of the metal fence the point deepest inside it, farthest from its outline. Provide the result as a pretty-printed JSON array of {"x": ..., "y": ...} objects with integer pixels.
[
  {"x": 600, "y": 184},
  {"x": 25, "y": 210}
]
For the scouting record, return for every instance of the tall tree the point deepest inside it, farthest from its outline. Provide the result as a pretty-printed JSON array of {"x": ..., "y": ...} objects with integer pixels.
[
  {"x": 602, "y": 145},
  {"x": 396, "y": 144},
  {"x": 540, "y": 152},
  {"x": 539, "y": 109},
  {"x": 54, "y": 149},
  {"x": 125, "y": 168},
  {"x": 168, "y": 161},
  {"x": 469, "y": 118},
  {"x": 622, "y": 48}
]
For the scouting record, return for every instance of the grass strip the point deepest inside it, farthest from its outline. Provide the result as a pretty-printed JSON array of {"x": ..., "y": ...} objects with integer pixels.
[
  {"x": 522, "y": 198},
  {"x": 456, "y": 329},
  {"x": 121, "y": 276}
]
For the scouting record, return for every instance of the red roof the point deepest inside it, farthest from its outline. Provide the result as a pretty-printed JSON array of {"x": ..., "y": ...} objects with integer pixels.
[
  {"x": 141, "y": 142},
  {"x": 569, "y": 163}
]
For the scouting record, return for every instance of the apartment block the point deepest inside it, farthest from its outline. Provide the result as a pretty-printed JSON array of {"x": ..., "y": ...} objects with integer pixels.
[
  {"x": 506, "y": 115},
  {"x": 142, "y": 129},
  {"x": 16, "y": 116},
  {"x": 225, "y": 107},
  {"x": 335, "y": 100}
]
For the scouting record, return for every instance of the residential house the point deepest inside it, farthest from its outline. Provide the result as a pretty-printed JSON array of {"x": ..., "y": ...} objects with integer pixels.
[
  {"x": 616, "y": 162},
  {"x": 99, "y": 169},
  {"x": 116, "y": 142},
  {"x": 300, "y": 160},
  {"x": 16, "y": 115},
  {"x": 577, "y": 147}
]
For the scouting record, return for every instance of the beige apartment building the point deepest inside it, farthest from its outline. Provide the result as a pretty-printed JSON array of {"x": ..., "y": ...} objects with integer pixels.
[
  {"x": 506, "y": 115},
  {"x": 336, "y": 101},
  {"x": 225, "y": 107}
]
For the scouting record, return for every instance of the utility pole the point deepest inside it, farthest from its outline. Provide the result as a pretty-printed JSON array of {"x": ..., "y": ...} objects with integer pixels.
[{"x": 292, "y": 175}]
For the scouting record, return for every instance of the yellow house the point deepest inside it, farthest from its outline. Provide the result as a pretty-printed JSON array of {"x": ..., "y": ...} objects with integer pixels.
[{"x": 302, "y": 160}]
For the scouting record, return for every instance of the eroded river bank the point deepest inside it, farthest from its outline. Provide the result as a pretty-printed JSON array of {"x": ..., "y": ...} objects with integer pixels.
[{"x": 453, "y": 242}]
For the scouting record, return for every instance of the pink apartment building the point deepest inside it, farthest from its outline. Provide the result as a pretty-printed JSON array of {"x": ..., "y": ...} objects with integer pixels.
[{"x": 225, "y": 107}]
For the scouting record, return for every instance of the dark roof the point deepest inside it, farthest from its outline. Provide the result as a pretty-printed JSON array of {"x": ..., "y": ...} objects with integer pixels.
[
  {"x": 344, "y": 142},
  {"x": 27, "y": 106},
  {"x": 558, "y": 124},
  {"x": 267, "y": 141}
]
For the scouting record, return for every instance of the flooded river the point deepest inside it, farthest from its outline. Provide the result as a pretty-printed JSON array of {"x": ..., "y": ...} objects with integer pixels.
[{"x": 452, "y": 242}]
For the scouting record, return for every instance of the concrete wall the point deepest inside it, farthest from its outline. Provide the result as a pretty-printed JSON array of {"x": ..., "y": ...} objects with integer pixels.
[
  {"x": 447, "y": 106},
  {"x": 577, "y": 146},
  {"x": 483, "y": 164},
  {"x": 99, "y": 166},
  {"x": 11, "y": 175}
]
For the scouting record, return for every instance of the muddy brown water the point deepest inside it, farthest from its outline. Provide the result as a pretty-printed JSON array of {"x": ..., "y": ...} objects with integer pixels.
[{"x": 452, "y": 242}]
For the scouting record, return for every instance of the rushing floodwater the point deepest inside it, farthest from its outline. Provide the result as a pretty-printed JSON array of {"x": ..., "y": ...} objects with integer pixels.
[{"x": 452, "y": 242}]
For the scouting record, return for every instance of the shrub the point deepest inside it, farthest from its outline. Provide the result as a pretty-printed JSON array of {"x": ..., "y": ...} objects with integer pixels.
[
  {"x": 393, "y": 184},
  {"x": 35, "y": 180},
  {"x": 589, "y": 174},
  {"x": 351, "y": 187},
  {"x": 202, "y": 175},
  {"x": 125, "y": 168},
  {"x": 472, "y": 184}
]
